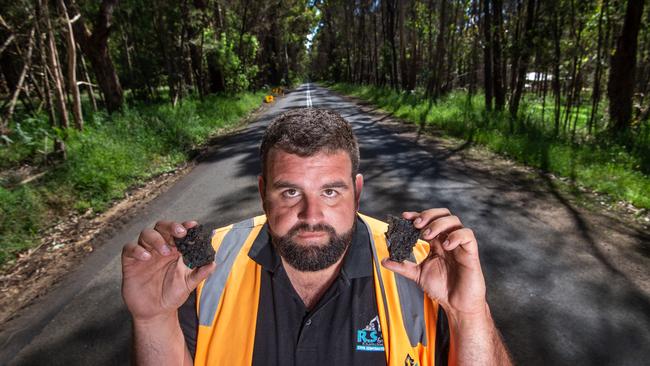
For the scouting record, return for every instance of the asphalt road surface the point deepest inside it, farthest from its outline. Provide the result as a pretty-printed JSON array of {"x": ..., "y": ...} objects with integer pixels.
[{"x": 556, "y": 299}]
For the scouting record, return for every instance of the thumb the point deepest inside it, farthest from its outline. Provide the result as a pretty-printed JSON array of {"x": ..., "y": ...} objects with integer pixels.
[
  {"x": 407, "y": 269},
  {"x": 199, "y": 274}
]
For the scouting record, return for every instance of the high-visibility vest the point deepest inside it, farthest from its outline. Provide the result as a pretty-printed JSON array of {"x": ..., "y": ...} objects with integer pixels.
[{"x": 227, "y": 302}]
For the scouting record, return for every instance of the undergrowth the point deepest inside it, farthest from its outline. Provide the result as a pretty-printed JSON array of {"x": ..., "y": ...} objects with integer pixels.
[
  {"x": 110, "y": 155},
  {"x": 617, "y": 167}
]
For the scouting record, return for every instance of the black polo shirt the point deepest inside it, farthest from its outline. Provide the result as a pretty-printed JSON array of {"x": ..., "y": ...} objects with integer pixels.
[{"x": 341, "y": 329}]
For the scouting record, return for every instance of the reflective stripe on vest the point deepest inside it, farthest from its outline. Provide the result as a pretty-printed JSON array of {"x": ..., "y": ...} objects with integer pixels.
[{"x": 225, "y": 257}]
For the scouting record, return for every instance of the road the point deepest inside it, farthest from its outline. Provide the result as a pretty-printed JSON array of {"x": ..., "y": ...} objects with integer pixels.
[{"x": 557, "y": 298}]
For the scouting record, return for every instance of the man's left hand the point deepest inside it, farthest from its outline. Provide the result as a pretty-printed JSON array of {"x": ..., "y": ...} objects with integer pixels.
[{"x": 451, "y": 273}]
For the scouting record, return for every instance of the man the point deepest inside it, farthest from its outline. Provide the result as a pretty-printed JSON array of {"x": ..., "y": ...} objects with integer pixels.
[{"x": 309, "y": 282}]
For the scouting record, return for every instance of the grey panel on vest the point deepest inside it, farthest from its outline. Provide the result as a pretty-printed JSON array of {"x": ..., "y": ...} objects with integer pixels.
[
  {"x": 378, "y": 266},
  {"x": 411, "y": 298},
  {"x": 214, "y": 285}
]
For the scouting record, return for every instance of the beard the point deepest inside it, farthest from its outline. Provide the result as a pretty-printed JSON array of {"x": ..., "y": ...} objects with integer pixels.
[{"x": 310, "y": 257}]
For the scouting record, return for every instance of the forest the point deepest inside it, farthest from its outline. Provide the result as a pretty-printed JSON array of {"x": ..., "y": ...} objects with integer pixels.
[
  {"x": 96, "y": 96},
  {"x": 579, "y": 54},
  {"x": 557, "y": 85}
]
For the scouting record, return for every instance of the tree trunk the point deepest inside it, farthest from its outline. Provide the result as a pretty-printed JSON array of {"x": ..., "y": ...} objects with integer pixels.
[
  {"x": 527, "y": 45},
  {"x": 595, "y": 95},
  {"x": 48, "y": 56},
  {"x": 47, "y": 93},
  {"x": 487, "y": 55},
  {"x": 217, "y": 81},
  {"x": 91, "y": 93},
  {"x": 391, "y": 6},
  {"x": 375, "y": 50},
  {"x": 620, "y": 87},
  {"x": 557, "y": 34},
  {"x": 95, "y": 46},
  {"x": 497, "y": 46},
  {"x": 72, "y": 67},
  {"x": 437, "y": 73},
  {"x": 474, "y": 52},
  {"x": 19, "y": 85},
  {"x": 55, "y": 68},
  {"x": 448, "y": 81}
]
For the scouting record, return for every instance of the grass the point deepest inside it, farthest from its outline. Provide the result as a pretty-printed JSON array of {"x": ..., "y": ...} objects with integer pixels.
[
  {"x": 109, "y": 156},
  {"x": 619, "y": 169}
]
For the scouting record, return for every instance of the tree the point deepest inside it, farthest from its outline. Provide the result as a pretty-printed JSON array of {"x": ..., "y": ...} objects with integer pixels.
[
  {"x": 95, "y": 46},
  {"x": 72, "y": 66},
  {"x": 487, "y": 55},
  {"x": 497, "y": 59},
  {"x": 525, "y": 46},
  {"x": 620, "y": 87}
]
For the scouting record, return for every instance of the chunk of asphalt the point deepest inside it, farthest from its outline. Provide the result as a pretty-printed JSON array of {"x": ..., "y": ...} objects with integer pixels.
[
  {"x": 402, "y": 236},
  {"x": 196, "y": 247}
]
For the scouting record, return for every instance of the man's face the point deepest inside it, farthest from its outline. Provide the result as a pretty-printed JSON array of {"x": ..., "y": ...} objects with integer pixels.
[{"x": 310, "y": 204}]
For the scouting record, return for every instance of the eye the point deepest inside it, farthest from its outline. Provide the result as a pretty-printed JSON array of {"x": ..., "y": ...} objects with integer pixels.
[
  {"x": 330, "y": 193},
  {"x": 290, "y": 193}
]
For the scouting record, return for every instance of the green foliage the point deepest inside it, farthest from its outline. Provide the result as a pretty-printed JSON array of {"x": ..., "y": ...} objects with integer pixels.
[
  {"x": 111, "y": 155},
  {"x": 603, "y": 166},
  {"x": 30, "y": 141},
  {"x": 21, "y": 213},
  {"x": 237, "y": 76}
]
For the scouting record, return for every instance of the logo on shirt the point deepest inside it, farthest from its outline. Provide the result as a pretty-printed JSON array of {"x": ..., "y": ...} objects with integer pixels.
[
  {"x": 409, "y": 361},
  {"x": 369, "y": 338}
]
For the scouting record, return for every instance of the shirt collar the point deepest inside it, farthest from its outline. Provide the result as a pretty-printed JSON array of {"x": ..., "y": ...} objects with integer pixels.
[{"x": 357, "y": 262}]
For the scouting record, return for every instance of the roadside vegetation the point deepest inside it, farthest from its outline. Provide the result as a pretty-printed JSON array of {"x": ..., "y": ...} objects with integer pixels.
[
  {"x": 99, "y": 96},
  {"x": 111, "y": 155},
  {"x": 619, "y": 168},
  {"x": 563, "y": 86}
]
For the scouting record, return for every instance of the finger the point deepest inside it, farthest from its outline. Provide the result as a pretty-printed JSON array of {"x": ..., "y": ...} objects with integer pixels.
[
  {"x": 407, "y": 269},
  {"x": 413, "y": 216},
  {"x": 421, "y": 219},
  {"x": 189, "y": 224},
  {"x": 170, "y": 230},
  {"x": 135, "y": 251},
  {"x": 199, "y": 274},
  {"x": 441, "y": 225},
  {"x": 463, "y": 238},
  {"x": 152, "y": 240},
  {"x": 410, "y": 215}
]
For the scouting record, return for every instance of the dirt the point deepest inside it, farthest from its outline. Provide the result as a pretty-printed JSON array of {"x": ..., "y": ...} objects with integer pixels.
[{"x": 66, "y": 243}]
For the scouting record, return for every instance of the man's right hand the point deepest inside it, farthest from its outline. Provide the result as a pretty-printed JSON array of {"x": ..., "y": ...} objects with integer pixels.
[{"x": 155, "y": 281}]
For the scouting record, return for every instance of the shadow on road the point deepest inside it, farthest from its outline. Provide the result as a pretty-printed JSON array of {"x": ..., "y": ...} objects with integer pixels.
[{"x": 556, "y": 297}]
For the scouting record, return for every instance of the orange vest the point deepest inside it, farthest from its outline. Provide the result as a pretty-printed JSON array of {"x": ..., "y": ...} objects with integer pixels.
[{"x": 227, "y": 302}]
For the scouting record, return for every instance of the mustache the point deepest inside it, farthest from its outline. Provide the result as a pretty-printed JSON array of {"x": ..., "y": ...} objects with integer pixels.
[{"x": 303, "y": 226}]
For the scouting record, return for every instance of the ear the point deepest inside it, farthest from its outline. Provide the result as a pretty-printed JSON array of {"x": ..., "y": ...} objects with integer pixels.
[
  {"x": 262, "y": 189},
  {"x": 358, "y": 185}
]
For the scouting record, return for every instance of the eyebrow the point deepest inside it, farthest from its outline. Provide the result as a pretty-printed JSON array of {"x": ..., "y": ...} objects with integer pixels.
[
  {"x": 335, "y": 184},
  {"x": 285, "y": 184}
]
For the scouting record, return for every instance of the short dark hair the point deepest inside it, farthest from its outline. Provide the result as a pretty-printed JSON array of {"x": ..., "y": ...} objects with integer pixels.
[{"x": 308, "y": 131}]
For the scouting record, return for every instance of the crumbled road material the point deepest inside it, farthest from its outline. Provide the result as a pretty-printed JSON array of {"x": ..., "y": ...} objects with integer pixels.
[
  {"x": 402, "y": 236},
  {"x": 196, "y": 247}
]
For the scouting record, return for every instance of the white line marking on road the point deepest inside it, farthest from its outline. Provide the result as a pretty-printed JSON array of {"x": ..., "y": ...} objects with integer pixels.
[{"x": 308, "y": 101}]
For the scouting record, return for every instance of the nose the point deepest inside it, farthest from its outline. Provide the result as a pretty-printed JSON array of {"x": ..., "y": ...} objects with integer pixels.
[{"x": 310, "y": 210}]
